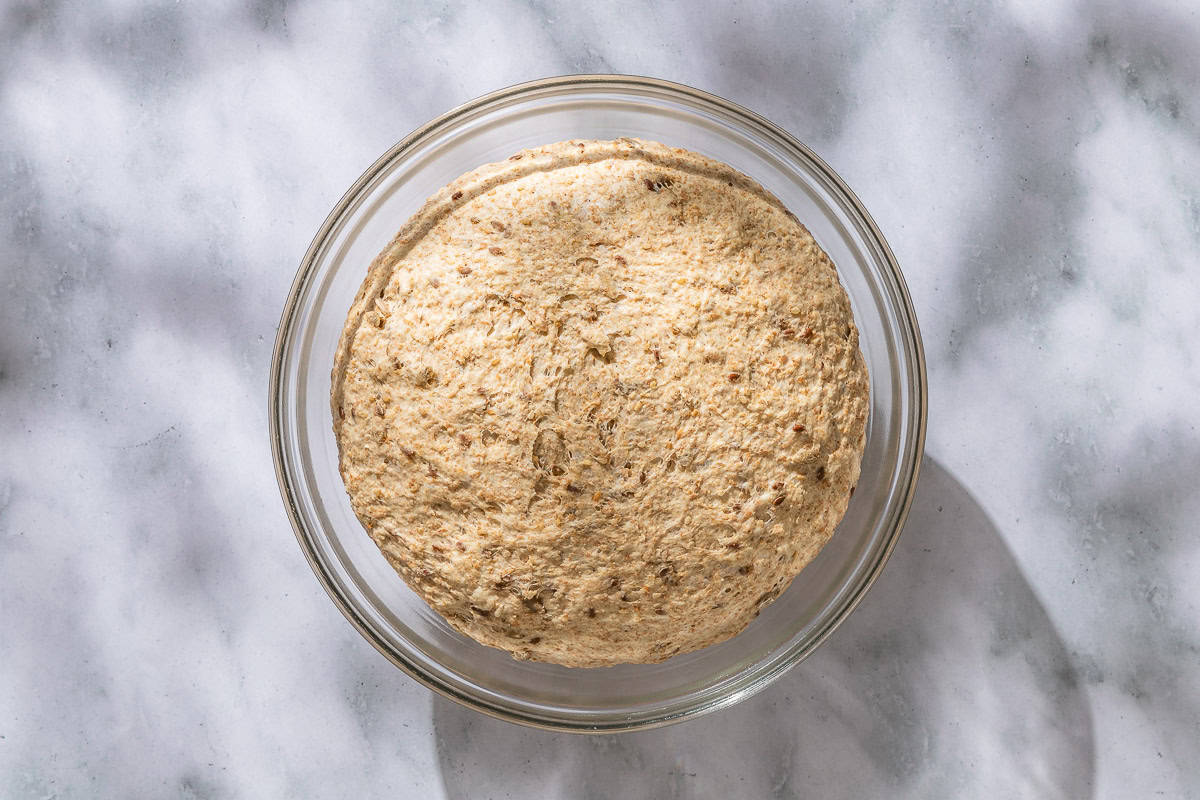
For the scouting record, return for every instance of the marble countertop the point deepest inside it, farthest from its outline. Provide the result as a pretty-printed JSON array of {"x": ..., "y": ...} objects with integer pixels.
[{"x": 1035, "y": 166}]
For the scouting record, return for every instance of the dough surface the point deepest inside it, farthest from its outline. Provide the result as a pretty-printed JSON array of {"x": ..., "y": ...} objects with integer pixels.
[{"x": 600, "y": 402}]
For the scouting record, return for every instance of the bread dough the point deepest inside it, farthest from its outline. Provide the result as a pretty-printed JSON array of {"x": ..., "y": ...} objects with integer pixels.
[{"x": 600, "y": 402}]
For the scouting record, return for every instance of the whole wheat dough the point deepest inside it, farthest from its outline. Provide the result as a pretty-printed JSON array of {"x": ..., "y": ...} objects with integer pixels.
[{"x": 600, "y": 402}]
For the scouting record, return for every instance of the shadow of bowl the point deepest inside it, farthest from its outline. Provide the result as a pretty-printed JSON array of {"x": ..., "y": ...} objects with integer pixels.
[{"x": 949, "y": 680}]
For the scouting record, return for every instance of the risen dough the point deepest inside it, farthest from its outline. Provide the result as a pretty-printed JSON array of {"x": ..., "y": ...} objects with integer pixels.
[{"x": 600, "y": 402}]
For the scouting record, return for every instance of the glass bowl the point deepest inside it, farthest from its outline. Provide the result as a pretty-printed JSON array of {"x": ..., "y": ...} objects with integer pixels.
[{"x": 372, "y": 595}]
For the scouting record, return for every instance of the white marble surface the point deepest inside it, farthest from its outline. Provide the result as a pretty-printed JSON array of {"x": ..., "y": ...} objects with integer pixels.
[{"x": 1035, "y": 165}]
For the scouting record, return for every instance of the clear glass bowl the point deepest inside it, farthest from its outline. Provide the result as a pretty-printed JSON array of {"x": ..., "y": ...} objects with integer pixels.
[{"x": 370, "y": 593}]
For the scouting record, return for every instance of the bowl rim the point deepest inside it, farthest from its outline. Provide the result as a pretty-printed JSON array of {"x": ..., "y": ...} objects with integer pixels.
[{"x": 905, "y": 312}]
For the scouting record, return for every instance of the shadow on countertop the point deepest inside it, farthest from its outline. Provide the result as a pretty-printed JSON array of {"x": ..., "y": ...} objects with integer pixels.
[{"x": 948, "y": 680}]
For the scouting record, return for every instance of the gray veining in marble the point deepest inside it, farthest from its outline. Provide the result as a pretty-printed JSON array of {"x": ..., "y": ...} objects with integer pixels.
[{"x": 1035, "y": 166}]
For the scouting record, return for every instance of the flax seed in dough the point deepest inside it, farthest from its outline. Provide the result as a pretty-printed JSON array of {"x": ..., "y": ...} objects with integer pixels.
[{"x": 600, "y": 402}]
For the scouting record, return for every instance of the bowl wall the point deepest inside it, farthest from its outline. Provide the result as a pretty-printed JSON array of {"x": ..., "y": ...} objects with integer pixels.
[{"x": 357, "y": 576}]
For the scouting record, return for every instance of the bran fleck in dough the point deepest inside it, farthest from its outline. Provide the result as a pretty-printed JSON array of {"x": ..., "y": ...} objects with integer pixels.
[{"x": 600, "y": 402}]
